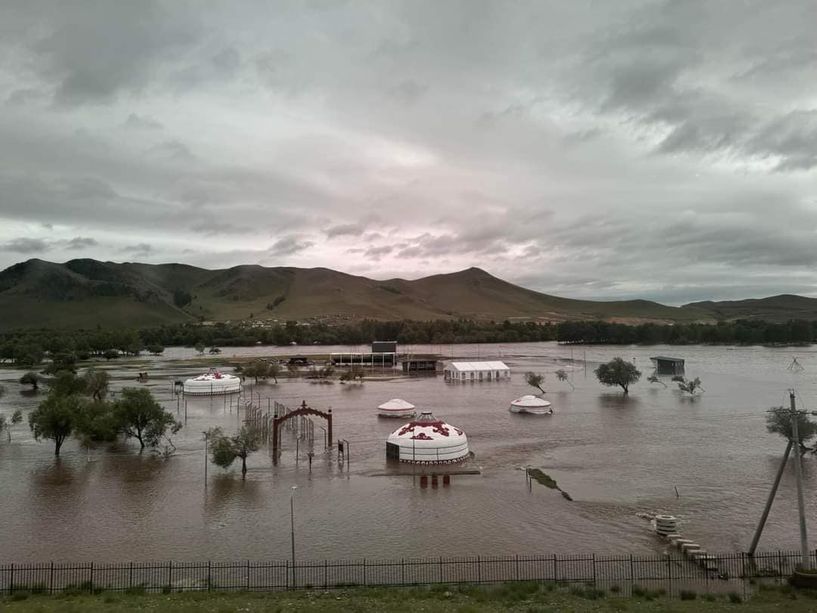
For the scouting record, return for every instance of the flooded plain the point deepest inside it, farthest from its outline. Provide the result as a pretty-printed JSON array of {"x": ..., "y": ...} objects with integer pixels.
[{"x": 616, "y": 456}]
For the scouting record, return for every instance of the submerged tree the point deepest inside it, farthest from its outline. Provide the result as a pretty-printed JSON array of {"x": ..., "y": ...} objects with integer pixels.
[
  {"x": 655, "y": 379},
  {"x": 225, "y": 449},
  {"x": 618, "y": 372},
  {"x": 199, "y": 347},
  {"x": 6, "y": 424},
  {"x": 257, "y": 369},
  {"x": 55, "y": 418},
  {"x": 779, "y": 421},
  {"x": 139, "y": 416},
  {"x": 355, "y": 373},
  {"x": 31, "y": 378},
  {"x": 690, "y": 387},
  {"x": 535, "y": 380},
  {"x": 96, "y": 383},
  {"x": 562, "y": 375}
]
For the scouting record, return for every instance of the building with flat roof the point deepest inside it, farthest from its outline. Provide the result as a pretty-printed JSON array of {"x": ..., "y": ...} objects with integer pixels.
[{"x": 476, "y": 371}]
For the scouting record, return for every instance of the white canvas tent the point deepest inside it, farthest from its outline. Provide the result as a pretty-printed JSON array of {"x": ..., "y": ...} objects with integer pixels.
[{"x": 476, "y": 371}]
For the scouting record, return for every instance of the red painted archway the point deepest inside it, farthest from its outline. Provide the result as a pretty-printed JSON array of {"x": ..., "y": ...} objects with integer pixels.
[{"x": 302, "y": 410}]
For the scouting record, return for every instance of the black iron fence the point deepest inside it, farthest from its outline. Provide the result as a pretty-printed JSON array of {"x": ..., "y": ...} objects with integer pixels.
[{"x": 623, "y": 574}]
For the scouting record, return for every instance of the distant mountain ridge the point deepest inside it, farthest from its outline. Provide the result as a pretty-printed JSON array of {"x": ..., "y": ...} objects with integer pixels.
[{"x": 86, "y": 293}]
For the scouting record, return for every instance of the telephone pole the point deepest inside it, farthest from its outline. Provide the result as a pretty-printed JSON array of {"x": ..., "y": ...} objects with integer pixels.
[
  {"x": 798, "y": 476},
  {"x": 793, "y": 444}
]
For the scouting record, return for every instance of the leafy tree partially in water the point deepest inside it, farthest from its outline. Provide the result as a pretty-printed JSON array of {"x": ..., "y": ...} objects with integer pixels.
[
  {"x": 779, "y": 421},
  {"x": 562, "y": 375},
  {"x": 96, "y": 383},
  {"x": 6, "y": 424},
  {"x": 56, "y": 418},
  {"x": 224, "y": 450},
  {"x": 691, "y": 387},
  {"x": 139, "y": 416},
  {"x": 618, "y": 372},
  {"x": 31, "y": 378},
  {"x": 535, "y": 380}
]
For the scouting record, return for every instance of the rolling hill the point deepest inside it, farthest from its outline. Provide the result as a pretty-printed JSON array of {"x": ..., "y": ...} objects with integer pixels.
[{"x": 86, "y": 293}]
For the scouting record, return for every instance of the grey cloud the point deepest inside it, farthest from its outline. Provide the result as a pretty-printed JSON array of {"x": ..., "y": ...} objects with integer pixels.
[
  {"x": 81, "y": 242},
  {"x": 288, "y": 245},
  {"x": 142, "y": 122},
  {"x": 349, "y": 229},
  {"x": 25, "y": 246},
  {"x": 173, "y": 149},
  {"x": 139, "y": 249}
]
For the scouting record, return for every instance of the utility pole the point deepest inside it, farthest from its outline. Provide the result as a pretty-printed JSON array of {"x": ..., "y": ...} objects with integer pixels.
[
  {"x": 798, "y": 475},
  {"x": 793, "y": 444}
]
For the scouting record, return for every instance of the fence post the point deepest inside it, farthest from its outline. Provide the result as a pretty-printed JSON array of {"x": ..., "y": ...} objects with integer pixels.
[
  {"x": 209, "y": 578},
  {"x": 555, "y": 569},
  {"x": 170, "y": 573},
  {"x": 364, "y": 572},
  {"x": 479, "y": 570},
  {"x": 91, "y": 577},
  {"x": 517, "y": 567},
  {"x": 286, "y": 567},
  {"x": 248, "y": 575},
  {"x": 325, "y": 574},
  {"x": 594, "y": 569},
  {"x": 51, "y": 579},
  {"x": 130, "y": 575},
  {"x": 402, "y": 571},
  {"x": 441, "y": 569},
  {"x": 11, "y": 579},
  {"x": 669, "y": 574}
]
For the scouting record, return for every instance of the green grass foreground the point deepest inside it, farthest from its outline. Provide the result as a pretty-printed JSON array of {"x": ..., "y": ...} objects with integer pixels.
[{"x": 522, "y": 597}]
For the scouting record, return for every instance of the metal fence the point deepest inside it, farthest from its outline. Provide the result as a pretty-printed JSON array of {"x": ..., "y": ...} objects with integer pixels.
[{"x": 618, "y": 574}]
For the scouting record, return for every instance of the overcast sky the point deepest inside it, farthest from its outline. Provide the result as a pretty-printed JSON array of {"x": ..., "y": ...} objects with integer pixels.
[{"x": 664, "y": 150}]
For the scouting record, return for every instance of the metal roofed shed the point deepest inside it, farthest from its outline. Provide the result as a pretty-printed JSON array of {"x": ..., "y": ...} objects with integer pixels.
[
  {"x": 668, "y": 366},
  {"x": 476, "y": 371}
]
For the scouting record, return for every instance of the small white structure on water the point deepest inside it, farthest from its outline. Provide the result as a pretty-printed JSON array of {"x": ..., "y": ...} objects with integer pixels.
[
  {"x": 476, "y": 371},
  {"x": 212, "y": 383},
  {"x": 396, "y": 408},
  {"x": 427, "y": 440},
  {"x": 531, "y": 404}
]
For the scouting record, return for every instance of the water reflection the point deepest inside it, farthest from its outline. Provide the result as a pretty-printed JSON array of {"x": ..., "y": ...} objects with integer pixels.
[{"x": 618, "y": 401}]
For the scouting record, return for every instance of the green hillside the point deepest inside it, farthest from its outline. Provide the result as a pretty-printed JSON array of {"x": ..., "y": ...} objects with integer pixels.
[
  {"x": 86, "y": 293},
  {"x": 774, "y": 308}
]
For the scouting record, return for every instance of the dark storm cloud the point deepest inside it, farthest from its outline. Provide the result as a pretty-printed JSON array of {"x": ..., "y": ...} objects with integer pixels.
[{"x": 349, "y": 229}]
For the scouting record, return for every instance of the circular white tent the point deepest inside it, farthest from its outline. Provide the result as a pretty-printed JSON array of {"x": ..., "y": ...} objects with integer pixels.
[
  {"x": 396, "y": 408},
  {"x": 427, "y": 440},
  {"x": 212, "y": 383},
  {"x": 531, "y": 404}
]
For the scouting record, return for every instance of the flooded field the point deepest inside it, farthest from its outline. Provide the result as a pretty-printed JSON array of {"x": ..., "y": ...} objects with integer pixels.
[{"x": 615, "y": 456}]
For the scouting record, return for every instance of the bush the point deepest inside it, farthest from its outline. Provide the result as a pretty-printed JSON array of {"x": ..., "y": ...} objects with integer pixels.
[
  {"x": 734, "y": 598},
  {"x": 688, "y": 595},
  {"x": 709, "y": 597}
]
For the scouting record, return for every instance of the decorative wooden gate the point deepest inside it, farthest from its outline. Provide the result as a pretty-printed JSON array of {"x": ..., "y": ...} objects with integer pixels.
[{"x": 302, "y": 410}]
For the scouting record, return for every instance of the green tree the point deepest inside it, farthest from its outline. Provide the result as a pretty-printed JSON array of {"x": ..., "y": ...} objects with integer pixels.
[
  {"x": 779, "y": 421},
  {"x": 139, "y": 416},
  {"x": 199, "y": 347},
  {"x": 96, "y": 383},
  {"x": 257, "y": 369},
  {"x": 6, "y": 424},
  {"x": 690, "y": 387},
  {"x": 354, "y": 373},
  {"x": 155, "y": 349},
  {"x": 535, "y": 380},
  {"x": 562, "y": 375},
  {"x": 55, "y": 418},
  {"x": 655, "y": 379},
  {"x": 225, "y": 449},
  {"x": 110, "y": 354},
  {"x": 31, "y": 378},
  {"x": 96, "y": 422},
  {"x": 618, "y": 372},
  {"x": 274, "y": 371},
  {"x": 61, "y": 362}
]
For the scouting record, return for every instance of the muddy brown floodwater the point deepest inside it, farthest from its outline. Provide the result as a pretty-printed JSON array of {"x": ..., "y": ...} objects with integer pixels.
[{"x": 616, "y": 457}]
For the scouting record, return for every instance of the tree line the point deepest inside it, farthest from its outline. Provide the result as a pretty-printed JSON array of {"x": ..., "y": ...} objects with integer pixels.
[{"x": 30, "y": 347}]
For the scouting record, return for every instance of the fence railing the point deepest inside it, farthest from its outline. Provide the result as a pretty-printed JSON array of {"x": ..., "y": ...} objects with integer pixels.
[{"x": 619, "y": 574}]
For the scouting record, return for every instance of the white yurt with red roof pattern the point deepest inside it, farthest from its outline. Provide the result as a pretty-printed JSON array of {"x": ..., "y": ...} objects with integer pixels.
[{"x": 427, "y": 440}]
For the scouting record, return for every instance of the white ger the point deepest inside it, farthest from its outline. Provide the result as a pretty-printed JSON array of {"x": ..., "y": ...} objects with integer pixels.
[
  {"x": 396, "y": 408},
  {"x": 531, "y": 404},
  {"x": 212, "y": 383},
  {"x": 427, "y": 440}
]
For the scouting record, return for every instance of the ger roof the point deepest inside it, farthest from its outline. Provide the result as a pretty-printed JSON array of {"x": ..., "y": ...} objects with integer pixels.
[{"x": 477, "y": 366}]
